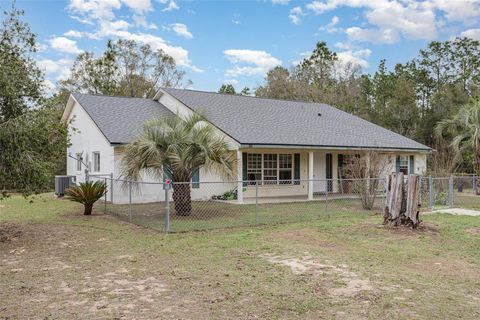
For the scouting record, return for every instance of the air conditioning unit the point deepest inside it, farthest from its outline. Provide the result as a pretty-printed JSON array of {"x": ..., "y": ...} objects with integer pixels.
[{"x": 62, "y": 183}]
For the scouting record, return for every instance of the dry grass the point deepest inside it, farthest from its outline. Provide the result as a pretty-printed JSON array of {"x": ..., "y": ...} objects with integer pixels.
[{"x": 61, "y": 265}]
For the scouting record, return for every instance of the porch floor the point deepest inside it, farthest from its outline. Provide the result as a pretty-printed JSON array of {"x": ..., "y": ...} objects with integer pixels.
[{"x": 289, "y": 199}]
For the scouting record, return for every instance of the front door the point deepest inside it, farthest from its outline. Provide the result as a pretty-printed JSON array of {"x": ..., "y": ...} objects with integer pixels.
[
  {"x": 319, "y": 172},
  {"x": 328, "y": 172}
]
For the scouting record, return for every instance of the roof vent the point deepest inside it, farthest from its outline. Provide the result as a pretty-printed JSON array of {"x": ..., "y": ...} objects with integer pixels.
[{"x": 319, "y": 114}]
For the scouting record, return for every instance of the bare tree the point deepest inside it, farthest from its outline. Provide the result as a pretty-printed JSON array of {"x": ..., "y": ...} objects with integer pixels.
[{"x": 365, "y": 172}]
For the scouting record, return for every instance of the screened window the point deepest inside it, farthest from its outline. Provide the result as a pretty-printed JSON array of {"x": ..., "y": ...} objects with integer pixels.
[
  {"x": 270, "y": 174},
  {"x": 285, "y": 166},
  {"x": 254, "y": 167},
  {"x": 270, "y": 168},
  {"x": 96, "y": 161},
  {"x": 79, "y": 161},
  {"x": 404, "y": 164}
]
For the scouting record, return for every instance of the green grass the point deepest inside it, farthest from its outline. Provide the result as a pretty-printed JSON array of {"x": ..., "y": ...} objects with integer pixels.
[
  {"x": 213, "y": 214},
  {"x": 65, "y": 265}
]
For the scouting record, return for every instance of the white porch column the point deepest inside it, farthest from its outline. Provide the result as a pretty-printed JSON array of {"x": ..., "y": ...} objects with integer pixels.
[
  {"x": 239, "y": 176},
  {"x": 310, "y": 175}
]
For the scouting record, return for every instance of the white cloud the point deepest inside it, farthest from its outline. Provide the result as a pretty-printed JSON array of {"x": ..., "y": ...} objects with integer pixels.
[
  {"x": 63, "y": 44},
  {"x": 249, "y": 62},
  {"x": 372, "y": 35},
  {"x": 231, "y": 81},
  {"x": 56, "y": 69},
  {"x": 456, "y": 10},
  {"x": 284, "y": 2},
  {"x": 181, "y": 30},
  {"x": 139, "y": 6},
  {"x": 471, "y": 33},
  {"x": 74, "y": 34},
  {"x": 172, "y": 5},
  {"x": 411, "y": 19},
  {"x": 101, "y": 14},
  {"x": 295, "y": 15},
  {"x": 140, "y": 20},
  {"x": 330, "y": 27}
]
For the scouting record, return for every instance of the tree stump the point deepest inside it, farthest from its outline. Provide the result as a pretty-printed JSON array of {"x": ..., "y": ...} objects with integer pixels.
[{"x": 403, "y": 199}]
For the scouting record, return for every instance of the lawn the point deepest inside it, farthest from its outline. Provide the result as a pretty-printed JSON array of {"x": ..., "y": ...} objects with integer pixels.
[
  {"x": 57, "y": 264},
  {"x": 214, "y": 214}
]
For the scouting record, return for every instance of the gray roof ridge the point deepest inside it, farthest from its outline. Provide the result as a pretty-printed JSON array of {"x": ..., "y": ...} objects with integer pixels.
[
  {"x": 110, "y": 96},
  {"x": 254, "y": 97}
]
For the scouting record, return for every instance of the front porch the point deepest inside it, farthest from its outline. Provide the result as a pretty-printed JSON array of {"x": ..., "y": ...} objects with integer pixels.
[{"x": 289, "y": 175}]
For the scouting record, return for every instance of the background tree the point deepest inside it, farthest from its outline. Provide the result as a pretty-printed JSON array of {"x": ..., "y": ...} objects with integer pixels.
[
  {"x": 32, "y": 138},
  {"x": 227, "y": 89},
  {"x": 177, "y": 147},
  {"x": 126, "y": 68},
  {"x": 20, "y": 78},
  {"x": 464, "y": 131}
]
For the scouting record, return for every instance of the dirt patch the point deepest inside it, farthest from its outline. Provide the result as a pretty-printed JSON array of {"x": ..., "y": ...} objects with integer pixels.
[
  {"x": 473, "y": 231},
  {"x": 353, "y": 284},
  {"x": 307, "y": 236},
  {"x": 404, "y": 230},
  {"x": 9, "y": 232}
]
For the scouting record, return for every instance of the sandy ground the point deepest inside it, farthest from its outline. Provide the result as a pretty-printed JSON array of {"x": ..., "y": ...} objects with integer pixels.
[{"x": 461, "y": 212}]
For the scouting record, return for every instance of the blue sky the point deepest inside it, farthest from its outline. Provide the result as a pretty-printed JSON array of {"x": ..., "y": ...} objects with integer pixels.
[{"x": 236, "y": 42}]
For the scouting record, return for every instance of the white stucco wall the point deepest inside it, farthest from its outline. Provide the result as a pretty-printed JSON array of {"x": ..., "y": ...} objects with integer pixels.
[{"x": 87, "y": 138}]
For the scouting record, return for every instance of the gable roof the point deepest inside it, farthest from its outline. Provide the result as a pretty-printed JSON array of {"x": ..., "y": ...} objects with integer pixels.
[
  {"x": 120, "y": 119},
  {"x": 260, "y": 121},
  {"x": 248, "y": 120}
]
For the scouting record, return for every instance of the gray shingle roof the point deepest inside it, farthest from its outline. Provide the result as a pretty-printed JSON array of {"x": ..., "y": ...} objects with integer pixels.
[
  {"x": 259, "y": 121},
  {"x": 248, "y": 120},
  {"x": 120, "y": 119}
]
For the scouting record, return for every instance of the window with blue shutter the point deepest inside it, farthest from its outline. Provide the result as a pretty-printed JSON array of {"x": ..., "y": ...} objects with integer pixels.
[
  {"x": 397, "y": 166},
  {"x": 412, "y": 165},
  {"x": 296, "y": 168},
  {"x": 196, "y": 178},
  {"x": 244, "y": 168}
]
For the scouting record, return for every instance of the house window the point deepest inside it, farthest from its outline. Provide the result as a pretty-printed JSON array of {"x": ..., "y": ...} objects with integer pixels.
[
  {"x": 404, "y": 164},
  {"x": 254, "y": 167},
  {"x": 79, "y": 161},
  {"x": 285, "y": 168},
  {"x": 96, "y": 161},
  {"x": 271, "y": 168}
]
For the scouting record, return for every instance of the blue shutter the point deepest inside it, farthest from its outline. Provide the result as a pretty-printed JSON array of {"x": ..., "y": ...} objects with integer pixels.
[
  {"x": 296, "y": 168},
  {"x": 244, "y": 168},
  {"x": 411, "y": 169},
  {"x": 398, "y": 164},
  {"x": 196, "y": 178},
  {"x": 167, "y": 174}
]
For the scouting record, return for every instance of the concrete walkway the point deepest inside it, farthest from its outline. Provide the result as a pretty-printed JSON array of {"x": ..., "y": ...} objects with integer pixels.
[{"x": 460, "y": 212}]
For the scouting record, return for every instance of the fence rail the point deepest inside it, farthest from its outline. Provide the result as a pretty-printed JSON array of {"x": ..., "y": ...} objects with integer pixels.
[{"x": 179, "y": 207}]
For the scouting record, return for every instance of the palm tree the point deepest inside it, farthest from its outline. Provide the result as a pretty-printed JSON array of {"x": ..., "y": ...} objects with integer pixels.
[
  {"x": 464, "y": 128},
  {"x": 177, "y": 146}
]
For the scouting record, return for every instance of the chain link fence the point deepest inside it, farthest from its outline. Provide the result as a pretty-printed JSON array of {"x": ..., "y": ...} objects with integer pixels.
[{"x": 179, "y": 207}]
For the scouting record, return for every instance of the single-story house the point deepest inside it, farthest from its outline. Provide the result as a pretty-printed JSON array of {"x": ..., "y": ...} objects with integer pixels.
[{"x": 277, "y": 141}]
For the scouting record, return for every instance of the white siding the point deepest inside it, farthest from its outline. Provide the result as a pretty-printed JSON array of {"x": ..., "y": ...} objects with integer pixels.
[{"x": 87, "y": 138}]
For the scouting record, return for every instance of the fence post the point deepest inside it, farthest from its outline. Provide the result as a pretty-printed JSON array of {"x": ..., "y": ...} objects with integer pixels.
[
  {"x": 166, "y": 211},
  {"x": 130, "y": 201},
  {"x": 450, "y": 192},
  {"x": 326, "y": 196},
  {"x": 111, "y": 187},
  {"x": 475, "y": 183},
  {"x": 256, "y": 202},
  {"x": 430, "y": 192},
  {"x": 105, "y": 200}
]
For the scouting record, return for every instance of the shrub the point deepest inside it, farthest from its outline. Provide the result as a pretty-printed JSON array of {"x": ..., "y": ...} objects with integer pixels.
[{"x": 87, "y": 193}]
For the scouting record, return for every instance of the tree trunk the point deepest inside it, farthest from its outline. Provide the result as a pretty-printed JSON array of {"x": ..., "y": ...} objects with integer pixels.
[
  {"x": 402, "y": 207},
  {"x": 182, "y": 199},
  {"x": 88, "y": 209}
]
